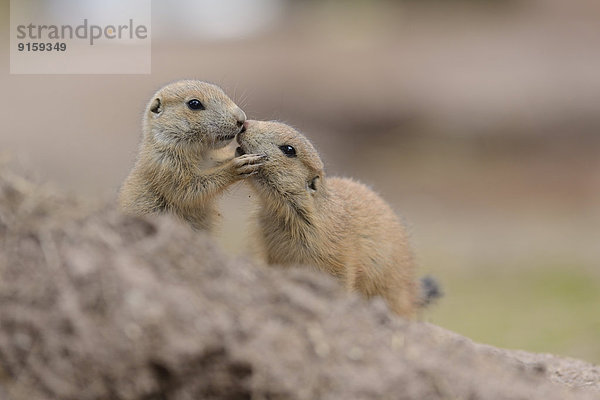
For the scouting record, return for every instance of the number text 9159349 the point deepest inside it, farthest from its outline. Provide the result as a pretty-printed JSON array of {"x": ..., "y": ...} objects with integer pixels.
[{"x": 48, "y": 46}]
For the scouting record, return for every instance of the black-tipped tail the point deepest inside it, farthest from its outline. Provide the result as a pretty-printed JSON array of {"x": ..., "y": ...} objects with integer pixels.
[{"x": 430, "y": 290}]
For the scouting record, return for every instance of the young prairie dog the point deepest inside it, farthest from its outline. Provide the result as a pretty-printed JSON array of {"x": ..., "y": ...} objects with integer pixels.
[
  {"x": 336, "y": 224},
  {"x": 180, "y": 168}
]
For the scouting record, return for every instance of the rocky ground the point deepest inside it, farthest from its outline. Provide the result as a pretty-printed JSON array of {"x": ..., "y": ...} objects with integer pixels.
[{"x": 96, "y": 305}]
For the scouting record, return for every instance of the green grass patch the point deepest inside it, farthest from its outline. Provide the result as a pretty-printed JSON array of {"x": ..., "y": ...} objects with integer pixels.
[{"x": 553, "y": 309}]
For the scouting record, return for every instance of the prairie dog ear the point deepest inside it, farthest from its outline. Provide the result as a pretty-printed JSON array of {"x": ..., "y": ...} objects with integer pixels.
[
  {"x": 156, "y": 106},
  {"x": 313, "y": 184}
]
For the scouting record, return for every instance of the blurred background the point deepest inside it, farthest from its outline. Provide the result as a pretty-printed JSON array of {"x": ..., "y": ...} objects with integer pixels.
[{"x": 478, "y": 121}]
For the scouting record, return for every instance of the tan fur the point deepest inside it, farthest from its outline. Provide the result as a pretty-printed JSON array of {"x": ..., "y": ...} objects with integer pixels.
[
  {"x": 335, "y": 224},
  {"x": 180, "y": 166}
]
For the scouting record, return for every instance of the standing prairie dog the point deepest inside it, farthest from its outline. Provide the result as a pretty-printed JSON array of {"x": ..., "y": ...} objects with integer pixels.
[
  {"x": 180, "y": 168},
  {"x": 338, "y": 225}
]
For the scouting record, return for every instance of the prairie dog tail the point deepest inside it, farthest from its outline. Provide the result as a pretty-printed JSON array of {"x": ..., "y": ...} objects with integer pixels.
[{"x": 429, "y": 291}]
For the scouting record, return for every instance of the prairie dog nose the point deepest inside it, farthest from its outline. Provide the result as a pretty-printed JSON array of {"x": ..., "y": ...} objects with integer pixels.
[
  {"x": 242, "y": 132},
  {"x": 240, "y": 116}
]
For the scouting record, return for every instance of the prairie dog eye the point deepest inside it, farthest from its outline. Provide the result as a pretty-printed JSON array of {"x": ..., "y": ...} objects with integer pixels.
[
  {"x": 288, "y": 150},
  {"x": 194, "y": 104}
]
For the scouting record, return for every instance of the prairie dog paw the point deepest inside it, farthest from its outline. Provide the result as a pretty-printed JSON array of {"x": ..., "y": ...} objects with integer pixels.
[{"x": 247, "y": 164}]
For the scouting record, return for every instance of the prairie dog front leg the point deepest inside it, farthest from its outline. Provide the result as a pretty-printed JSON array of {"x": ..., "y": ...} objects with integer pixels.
[{"x": 247, "y": 165}]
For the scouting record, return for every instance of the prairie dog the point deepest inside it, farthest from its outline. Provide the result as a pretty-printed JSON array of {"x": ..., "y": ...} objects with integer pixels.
[
  {"x": 336, "y": 224},
  {"x": 181, "y": 167}
]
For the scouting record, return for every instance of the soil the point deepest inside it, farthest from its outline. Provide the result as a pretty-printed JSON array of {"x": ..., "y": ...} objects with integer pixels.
[{"x": 97, "y": 305}]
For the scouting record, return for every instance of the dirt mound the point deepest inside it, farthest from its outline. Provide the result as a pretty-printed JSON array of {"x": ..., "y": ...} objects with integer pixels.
[{"x": 102, "y": 306}]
